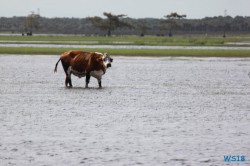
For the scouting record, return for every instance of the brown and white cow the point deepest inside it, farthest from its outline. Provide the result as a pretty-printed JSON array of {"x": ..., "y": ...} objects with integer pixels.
[{"x": 81, "y": 64}]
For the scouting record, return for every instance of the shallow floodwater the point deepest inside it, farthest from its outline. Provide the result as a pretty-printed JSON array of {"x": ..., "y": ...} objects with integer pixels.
[{"x": 150, "y": 111}]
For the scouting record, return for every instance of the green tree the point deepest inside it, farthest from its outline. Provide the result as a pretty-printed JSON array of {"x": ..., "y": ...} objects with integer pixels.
[
  {"x": 111, "y": 23},
  {"x": 172, "y": 21},
  {"x": 142, "y": 26},
  {"x": 31, "y": 22}
]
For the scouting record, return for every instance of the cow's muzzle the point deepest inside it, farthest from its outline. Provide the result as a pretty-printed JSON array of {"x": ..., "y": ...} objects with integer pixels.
[{"x": 108, "y": 65}]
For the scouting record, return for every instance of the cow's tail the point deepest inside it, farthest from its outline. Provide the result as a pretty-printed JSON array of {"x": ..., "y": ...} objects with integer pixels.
[{"x": 55, "y": 70}]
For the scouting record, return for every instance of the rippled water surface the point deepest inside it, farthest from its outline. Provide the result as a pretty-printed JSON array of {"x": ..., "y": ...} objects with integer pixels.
[{"x": 150, "y": 111}]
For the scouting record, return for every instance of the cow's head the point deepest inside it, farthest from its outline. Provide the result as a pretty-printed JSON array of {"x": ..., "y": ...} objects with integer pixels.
[{"x": 107, "y": 60}]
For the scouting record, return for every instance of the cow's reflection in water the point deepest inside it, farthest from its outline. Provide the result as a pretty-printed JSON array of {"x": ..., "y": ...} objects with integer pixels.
[{"x": 81, "y": 64}]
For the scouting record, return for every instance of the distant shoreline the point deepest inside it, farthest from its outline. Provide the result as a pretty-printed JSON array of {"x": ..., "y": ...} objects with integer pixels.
[
  {"x": 129, "y": 52},
  {"x": 192, "y": 46}
]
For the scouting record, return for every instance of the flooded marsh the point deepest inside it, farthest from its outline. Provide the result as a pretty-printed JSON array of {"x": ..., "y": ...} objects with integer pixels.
[{"x": 150, "y": 111}]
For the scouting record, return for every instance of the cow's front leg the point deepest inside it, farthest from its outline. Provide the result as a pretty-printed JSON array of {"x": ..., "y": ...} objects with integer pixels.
[
  {"x": 100, "y": 82},
  {"x": 87, "y": 80}
]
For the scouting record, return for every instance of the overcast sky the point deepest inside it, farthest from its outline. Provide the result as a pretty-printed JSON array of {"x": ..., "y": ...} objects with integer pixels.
[{"x": 132, "y": 8}]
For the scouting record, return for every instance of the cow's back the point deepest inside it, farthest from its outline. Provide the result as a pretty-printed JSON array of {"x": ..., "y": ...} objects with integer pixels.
[
  {"x": 70, "y": 55},
  {"x": 81, "y": 62}
]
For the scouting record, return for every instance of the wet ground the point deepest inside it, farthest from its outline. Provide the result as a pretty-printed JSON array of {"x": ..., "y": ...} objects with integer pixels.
[{"x": 150, "y": 111}]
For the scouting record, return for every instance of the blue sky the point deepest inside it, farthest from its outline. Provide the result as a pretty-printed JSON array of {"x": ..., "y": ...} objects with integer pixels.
[{"x": 132, "y": 8}]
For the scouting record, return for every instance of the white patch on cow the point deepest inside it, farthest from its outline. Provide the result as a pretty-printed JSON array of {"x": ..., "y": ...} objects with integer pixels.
[
  {"x": 106, "y": 63},
  {"x": 97, "y": 74},
  {"x": 99, "y": 53}
]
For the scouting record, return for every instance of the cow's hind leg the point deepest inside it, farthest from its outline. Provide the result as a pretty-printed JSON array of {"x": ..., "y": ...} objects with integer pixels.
[
  {"x": 87, "y": 80},
  {"x": 68, "y": 78},
  {"x": 68, "y": 81},
  {"x": 67, "y": 70}
]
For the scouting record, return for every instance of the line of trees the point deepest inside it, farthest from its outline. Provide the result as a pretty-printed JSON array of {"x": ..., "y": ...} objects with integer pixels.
[{"x": 111, "y": 24}]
